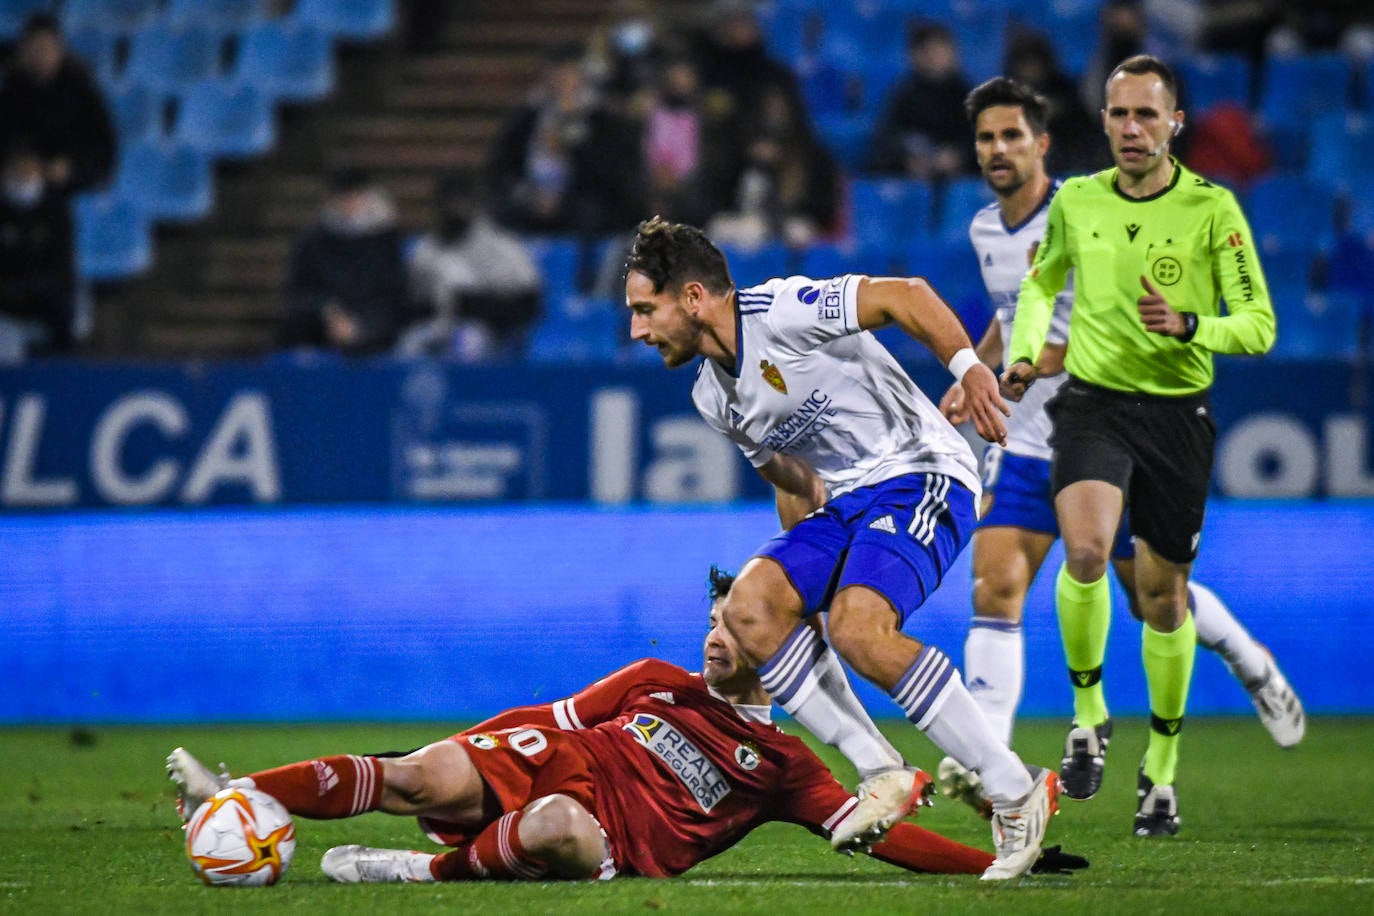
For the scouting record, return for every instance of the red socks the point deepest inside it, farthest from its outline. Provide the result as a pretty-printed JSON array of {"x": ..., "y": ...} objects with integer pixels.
[
  {"x": 496, "y": 854},
  {"x": 327, "y": 787}
]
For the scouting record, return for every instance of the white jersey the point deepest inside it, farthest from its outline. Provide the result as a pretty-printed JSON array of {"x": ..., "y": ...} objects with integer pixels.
[
  {"x": 809, "y": 382},
  {"x": 1004, "y": 254}
]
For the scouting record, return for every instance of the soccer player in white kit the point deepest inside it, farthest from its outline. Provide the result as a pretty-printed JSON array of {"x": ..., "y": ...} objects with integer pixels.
[
  {"x": 1017, "y": 524},
  {"x": 876, "y": 492}
]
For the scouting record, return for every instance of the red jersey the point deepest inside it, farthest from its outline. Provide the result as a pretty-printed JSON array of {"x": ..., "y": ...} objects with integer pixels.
[{"x": 681, "y": 774}]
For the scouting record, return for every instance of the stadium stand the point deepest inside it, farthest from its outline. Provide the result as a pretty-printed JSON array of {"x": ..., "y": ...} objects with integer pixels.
[{"x": 229, "y": 111}]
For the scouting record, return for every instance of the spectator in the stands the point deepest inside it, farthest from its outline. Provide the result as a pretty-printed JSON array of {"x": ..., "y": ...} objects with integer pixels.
[
  {"x": 1079, "y": 145},
  {"x": 475, "y": 281},
  {"x": 627, "y": 56},
  {"x": 736, "y": 69},
  {"x": 1122, "y": 31},
  {"x": 685, "y": 146},
  {"x": 346, "y": 289},
  {"x": 737, "y": 75},
  {"x": 49, "y": 98},
  {"x": 789, "y": 187},
  {"x": 560, "y": 162},
  {"x": 923, "y": 132},
  {"x": 37, "y": 277}
]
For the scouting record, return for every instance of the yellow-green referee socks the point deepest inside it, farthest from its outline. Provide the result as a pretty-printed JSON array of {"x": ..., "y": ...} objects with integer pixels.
[
  {"x": 1168, "y": 659},
  {"x": 1085, "y": 615}
]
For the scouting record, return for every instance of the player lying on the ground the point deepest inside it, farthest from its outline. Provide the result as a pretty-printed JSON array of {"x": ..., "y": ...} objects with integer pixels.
[{"x": 646, "y": 772}]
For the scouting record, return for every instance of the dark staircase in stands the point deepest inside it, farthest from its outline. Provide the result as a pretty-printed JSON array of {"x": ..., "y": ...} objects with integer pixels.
[{"x": 407, "y": 113}]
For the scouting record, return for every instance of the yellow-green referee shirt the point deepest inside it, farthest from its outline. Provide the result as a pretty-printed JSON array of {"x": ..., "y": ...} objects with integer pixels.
[{"x": 1194, "y": 244}]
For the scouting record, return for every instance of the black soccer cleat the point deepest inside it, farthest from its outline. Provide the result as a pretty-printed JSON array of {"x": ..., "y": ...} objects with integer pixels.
[
  {"x": 1085, "y": 753},
  {"x": 1158, "y": 812}
]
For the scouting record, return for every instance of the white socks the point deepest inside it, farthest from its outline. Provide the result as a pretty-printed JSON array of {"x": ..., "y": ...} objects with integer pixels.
[
  {"x": 1219, "y": 631},
  {"x": 995, "y": 671}
]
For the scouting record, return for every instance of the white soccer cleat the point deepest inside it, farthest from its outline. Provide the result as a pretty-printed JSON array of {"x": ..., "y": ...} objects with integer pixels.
[
  {"x": 368, "y": 865},
  {"x": 194, "y": 781},
  {"x": 884, "y": 800},
  {"x": 962, "y": 784},
  {"x": 1018, "y": 832},
  {"x": 1279, "y": 707}
]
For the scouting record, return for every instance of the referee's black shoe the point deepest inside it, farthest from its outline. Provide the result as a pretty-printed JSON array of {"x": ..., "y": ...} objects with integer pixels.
[
  {"x": 1158, "y": 812},
  {"x": 1085, "y": 753}
]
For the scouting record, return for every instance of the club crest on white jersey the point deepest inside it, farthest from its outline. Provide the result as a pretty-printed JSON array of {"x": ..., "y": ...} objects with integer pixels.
[{"x": 808, "y": 381}]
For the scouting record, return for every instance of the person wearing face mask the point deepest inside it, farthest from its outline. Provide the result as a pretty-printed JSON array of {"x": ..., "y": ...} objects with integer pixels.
[
  {"x": 50, "y": 99},
  {"x": 475, "y": 280},
  {"x": 37, "y": 279},
  {"x": 345, "y": 286}
]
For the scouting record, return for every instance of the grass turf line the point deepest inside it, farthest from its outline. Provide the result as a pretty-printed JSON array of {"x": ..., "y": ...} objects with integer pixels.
[{"x": 87, "y": 826}]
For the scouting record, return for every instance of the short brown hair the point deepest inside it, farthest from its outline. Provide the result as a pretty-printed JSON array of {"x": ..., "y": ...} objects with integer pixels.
[
  {"x": 1001, "y": 90},
  {"x": 1148, "y": 63},
  {"x": 671, "y": 254}
]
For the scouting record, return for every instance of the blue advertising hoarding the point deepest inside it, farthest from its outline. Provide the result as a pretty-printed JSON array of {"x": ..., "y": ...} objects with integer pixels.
[{"x": 424, "y": 432}]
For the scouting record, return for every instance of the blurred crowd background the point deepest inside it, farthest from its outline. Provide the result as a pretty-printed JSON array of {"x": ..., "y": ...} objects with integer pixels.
[{"x": 269, "y": 178}]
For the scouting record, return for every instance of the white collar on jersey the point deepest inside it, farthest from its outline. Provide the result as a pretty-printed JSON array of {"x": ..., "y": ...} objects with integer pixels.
[{"x": 763, "y": 715}]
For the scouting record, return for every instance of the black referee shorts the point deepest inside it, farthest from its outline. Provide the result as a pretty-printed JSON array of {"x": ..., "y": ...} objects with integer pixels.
[{"x": 1158, "y": 450}]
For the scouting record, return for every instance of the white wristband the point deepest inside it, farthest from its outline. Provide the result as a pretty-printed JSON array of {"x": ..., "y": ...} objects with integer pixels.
[{"x": 960, "y": 363}]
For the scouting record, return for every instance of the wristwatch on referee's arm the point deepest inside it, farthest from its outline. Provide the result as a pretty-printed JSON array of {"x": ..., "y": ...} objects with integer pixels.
[{"x": 1189, "y": 326}]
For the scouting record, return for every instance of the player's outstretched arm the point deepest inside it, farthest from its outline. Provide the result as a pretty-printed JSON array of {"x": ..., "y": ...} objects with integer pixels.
[
  {"x": 953, "y": 405},
  {"x": 797, "y": 487},
  {"x": 914, "y": 306}
]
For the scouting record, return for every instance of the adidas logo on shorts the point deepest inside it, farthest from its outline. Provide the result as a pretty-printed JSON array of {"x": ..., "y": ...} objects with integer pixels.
[{"x": 884, "y": 524}]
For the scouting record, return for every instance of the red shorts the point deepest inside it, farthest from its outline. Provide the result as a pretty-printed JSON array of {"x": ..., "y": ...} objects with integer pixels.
[{"x": 521, "y": 765}]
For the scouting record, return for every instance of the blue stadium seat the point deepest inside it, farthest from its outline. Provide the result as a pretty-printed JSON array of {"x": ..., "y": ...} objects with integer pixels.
[
  {"x": 113, "y": 238},
  {"x": 112, "y": 15},
  {"x": 879, "y": 77},
  {"x": 98, "y": 49},
  {"x": 14, "y": 13},
  {"x": 559, "y": 261},
  {"x": 171, "y": 59},
  {"x": 1071, "y": 26},
  {"x": 1299, "y": 88},
  {"x": 293, "y": 63},
  {"x": 1296, "y": 91},
  {"x": 846, "y": 136},
  {"x": 1209, "y": 80},
  {"x": 890, "y": 211},
  {"x": 231, "y": 121},
  {"x": 352, "y": 20},
  {"x": 1340, "y": 148},
  {"x": 959, "y": 199},
  {"x": 1359, "y": 197},
  {"x": 137, "y": 112},
  {"x": 951, "y": 267},
  {"x": 822, "y": 260},
  {"x": 755, "y": 264},
  {"x": 1291, "y": 211},
  {"x": 230, "y": 15},
  {"x": 584, "y": 330},
  {"x": 167, "y": 181},
  {"x": 1320, "y": 324},
  {"x": 826, "y": 88}
]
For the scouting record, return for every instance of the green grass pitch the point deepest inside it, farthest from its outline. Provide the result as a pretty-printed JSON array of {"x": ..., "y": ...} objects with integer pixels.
[{"x": 87, "y": 826}]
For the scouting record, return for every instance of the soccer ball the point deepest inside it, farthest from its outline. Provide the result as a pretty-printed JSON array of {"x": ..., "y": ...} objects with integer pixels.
[{"x": 240, "y": 837}]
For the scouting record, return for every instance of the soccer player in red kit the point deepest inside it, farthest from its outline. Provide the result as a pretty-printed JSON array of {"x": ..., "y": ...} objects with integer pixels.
[{"x": 648, "y": 771}]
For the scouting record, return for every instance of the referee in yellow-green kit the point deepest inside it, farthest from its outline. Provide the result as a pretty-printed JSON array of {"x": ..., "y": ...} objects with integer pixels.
[{"x": 1155, "y": 249}]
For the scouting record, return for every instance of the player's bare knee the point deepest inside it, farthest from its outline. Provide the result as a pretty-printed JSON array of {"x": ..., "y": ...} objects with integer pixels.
[
  {"x": 406, "y": 780},
  {"x": 1160, "y": 607},
  {"x": 439, "y": 776},
  {"x": 560, "y": 831},
  {"x": 757, "y": 625},
  {"x": 998, "y": 598},
  {"x": 1087, "y": 560},
  {"x": 860, "y": 620}
]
